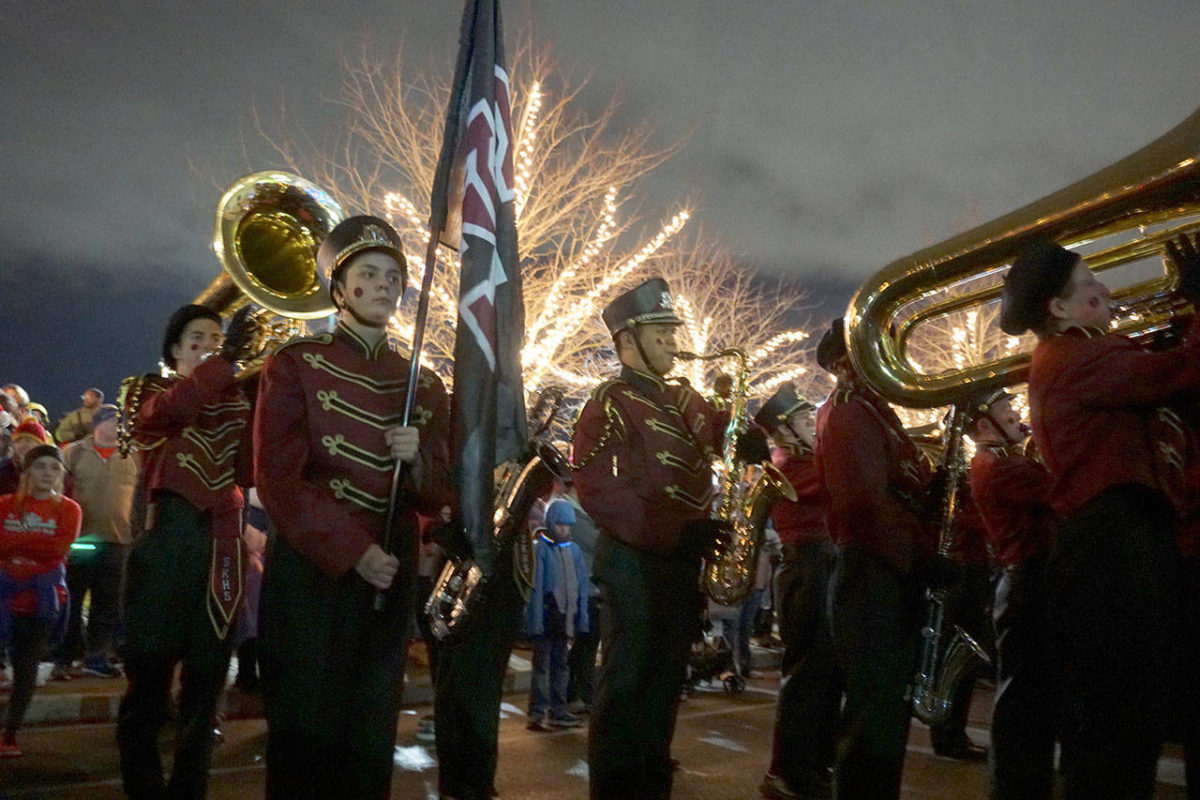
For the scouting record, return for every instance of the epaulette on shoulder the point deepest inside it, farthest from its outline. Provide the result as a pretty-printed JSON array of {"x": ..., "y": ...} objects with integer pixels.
[
  {"x": 601, "y": 392},
  {"x": 315, "y": 338}
]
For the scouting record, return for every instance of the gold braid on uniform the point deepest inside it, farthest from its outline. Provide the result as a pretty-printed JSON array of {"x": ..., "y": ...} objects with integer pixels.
[{"x": 613, "y": 425}]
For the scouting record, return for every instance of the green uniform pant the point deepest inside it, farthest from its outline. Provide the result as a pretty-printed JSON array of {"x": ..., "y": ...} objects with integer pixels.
[
  {"x": 650, "y": 609},
  {"x": 470, "y": 688},
  {"x": 332, "y": 674},
  {"x": 167, "y": 623}
]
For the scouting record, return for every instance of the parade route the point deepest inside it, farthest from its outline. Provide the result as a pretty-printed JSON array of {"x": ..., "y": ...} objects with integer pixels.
[{"x": 722, "y": 743}]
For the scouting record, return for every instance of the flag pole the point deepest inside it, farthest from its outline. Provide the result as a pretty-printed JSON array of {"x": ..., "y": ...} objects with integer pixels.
[{"x": 399, "y": 470}]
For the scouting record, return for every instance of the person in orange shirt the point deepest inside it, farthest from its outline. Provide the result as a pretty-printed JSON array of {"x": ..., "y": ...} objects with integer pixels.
[{"x": 37, "y": 526}]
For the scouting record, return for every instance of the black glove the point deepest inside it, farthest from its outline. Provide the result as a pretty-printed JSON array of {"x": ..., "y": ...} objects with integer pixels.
[
  {"x": 943, "y": 573},
  {"x": 452, "y": 539},
  {"x": 240, "y": 335},
  {"x": 1185, "y": 255},
  {"x": 707, "y": 537}
]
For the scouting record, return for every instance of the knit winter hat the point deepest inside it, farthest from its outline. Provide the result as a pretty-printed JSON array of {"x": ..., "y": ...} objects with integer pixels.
[
  {"x": 559, "y": 512},
  {"x": 103, "y": 414},
  {"x": 41, "y": 451},
  {"x": 31, "y": 428}
]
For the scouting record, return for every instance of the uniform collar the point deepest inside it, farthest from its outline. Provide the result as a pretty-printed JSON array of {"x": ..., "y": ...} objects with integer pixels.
[
  {"x": 370, "y": 352},
  {"x": 1082, "y": 331},
  {"x": 643, "y": 381},
  {"x": 798, "y": 449}
]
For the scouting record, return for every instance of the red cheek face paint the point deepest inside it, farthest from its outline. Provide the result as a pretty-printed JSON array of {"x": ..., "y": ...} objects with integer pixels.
[
  {"x": 1094, "y": 302},
  {"x": 358, "y": 292},
  {"x": 195, "y": 347}
]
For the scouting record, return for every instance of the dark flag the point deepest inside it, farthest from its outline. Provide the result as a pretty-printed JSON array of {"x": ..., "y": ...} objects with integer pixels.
[{"x": 473, "y": 210}]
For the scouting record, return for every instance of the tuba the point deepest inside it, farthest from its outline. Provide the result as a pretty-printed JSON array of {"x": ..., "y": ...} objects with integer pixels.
[
  {"x": 1117, "y": 219},
  {"x": 518, "y": 484},
  {"x": 747, "y": 493},
  {"x": 268, "y": 228}
]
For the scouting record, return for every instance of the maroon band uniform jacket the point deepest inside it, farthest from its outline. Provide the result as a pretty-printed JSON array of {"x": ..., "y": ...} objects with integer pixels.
[
  {"x": 1093, "y": 397},
  {"x": 874, "y": 479},
  {"x": 643, "y": 452},
  {"x": 803, "y": 520},
  {"x": 1012, "y": 493},
  {"x": 192, "y": 436},
  {"x": 321, "y": 463}
]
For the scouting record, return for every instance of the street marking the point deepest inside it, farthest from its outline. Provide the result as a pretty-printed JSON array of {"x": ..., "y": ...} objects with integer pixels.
[
  {"x": 579, "y": 769},
  {"x": 413, "y": 759},
  {"x": 718, "y": 739}
]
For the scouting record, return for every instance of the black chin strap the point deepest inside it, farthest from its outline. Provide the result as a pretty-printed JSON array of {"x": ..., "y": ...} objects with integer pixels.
[
  {"x": 635, "y": 334},
  {"x": 345, "y": 305}
]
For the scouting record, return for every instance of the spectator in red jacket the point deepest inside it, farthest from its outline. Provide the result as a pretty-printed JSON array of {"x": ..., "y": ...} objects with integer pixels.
[{"x": 37, "y": 526}]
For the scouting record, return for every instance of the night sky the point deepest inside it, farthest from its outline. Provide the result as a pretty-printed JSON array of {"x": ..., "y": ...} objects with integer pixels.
[{"x": 821, "y": 140}]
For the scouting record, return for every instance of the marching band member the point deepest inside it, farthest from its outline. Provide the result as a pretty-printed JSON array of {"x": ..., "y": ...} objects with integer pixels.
[
  {"x": 327, "y": 433},
  {"x": 184, "y": 575},
  {"x": 810, "y": 692},
  {"x": 1112, "y": 575},
  {"x": 874, "y": 480},
  {"x": 643, "y": 449},
  {"x": 1012, "y": 493}
]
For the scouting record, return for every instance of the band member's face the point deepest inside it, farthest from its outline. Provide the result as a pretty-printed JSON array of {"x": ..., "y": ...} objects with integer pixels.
[
  {"x": 801, "y": 425},
  {"x": 200, "y": 338},
  {"x": 1007, "y": 420},
  {"x": 91, "y": 399},
  {"x": 659, "y": 346},
  {"x": 562, "y": 532},
  {"x": 45, "y": 475},
  {"x": 106, "y": 431},
  {"x": 1088, "y": 301},
  {"x": 373, "y": 282}
]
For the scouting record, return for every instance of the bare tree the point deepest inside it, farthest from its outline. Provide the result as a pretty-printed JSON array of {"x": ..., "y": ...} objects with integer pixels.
[{"x": 581, "y": 240}]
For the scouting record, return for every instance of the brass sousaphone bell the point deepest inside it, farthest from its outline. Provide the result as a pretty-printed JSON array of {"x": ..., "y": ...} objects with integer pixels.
[{"x": 268, "y": 228}]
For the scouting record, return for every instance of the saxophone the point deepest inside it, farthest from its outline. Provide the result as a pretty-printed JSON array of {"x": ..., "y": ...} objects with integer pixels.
[
  {"x": 940, "y": 674},
  {"x": 747, "y": 492}
]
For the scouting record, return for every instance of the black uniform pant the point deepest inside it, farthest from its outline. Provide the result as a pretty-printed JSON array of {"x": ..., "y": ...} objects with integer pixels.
[
  {"x": 1112, "y": 610},
  {"x": 1186, "y": 704},
  {"x": 581, "y": 661},
  {"x": 332, "y": 675},
  {"x": 876, "y": 619},
  {"x": 30, "y": 642},
  {"x": 810, "y": 692},
  {"x": 470, "y": 688},
  {"x": 167, "y": 623},
  {"x": 100, "y": 572},
  {"x": 650, "y": 607},
  {"x": 1024, "y": 725}
]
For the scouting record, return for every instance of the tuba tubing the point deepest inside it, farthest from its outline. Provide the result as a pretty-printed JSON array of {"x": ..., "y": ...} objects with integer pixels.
[{"x": 1158, "y": 183}]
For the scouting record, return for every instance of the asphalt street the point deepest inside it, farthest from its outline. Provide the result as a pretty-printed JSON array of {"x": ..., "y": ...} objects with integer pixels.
[{"x": 722, "y": 743}]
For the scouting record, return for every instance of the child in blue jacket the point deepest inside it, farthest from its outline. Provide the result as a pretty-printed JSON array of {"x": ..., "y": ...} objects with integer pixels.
[{"x": 557, "y": 611}]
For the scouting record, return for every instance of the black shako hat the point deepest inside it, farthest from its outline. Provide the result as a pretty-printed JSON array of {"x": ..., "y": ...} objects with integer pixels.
[
  {"x": 1039, "y": 272},
  {"x": 981, "y": 404},
  {"x": 178, "y": 322},
  {"x": 353, "y": 236},
  {"x": 832, "y": 346},
  {"x": 646, "y": 304},
  {"x": 780, "y": 406}
]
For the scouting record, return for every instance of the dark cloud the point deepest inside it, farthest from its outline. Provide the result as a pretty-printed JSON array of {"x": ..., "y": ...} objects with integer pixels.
[{"x": 822, "y": 140}]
